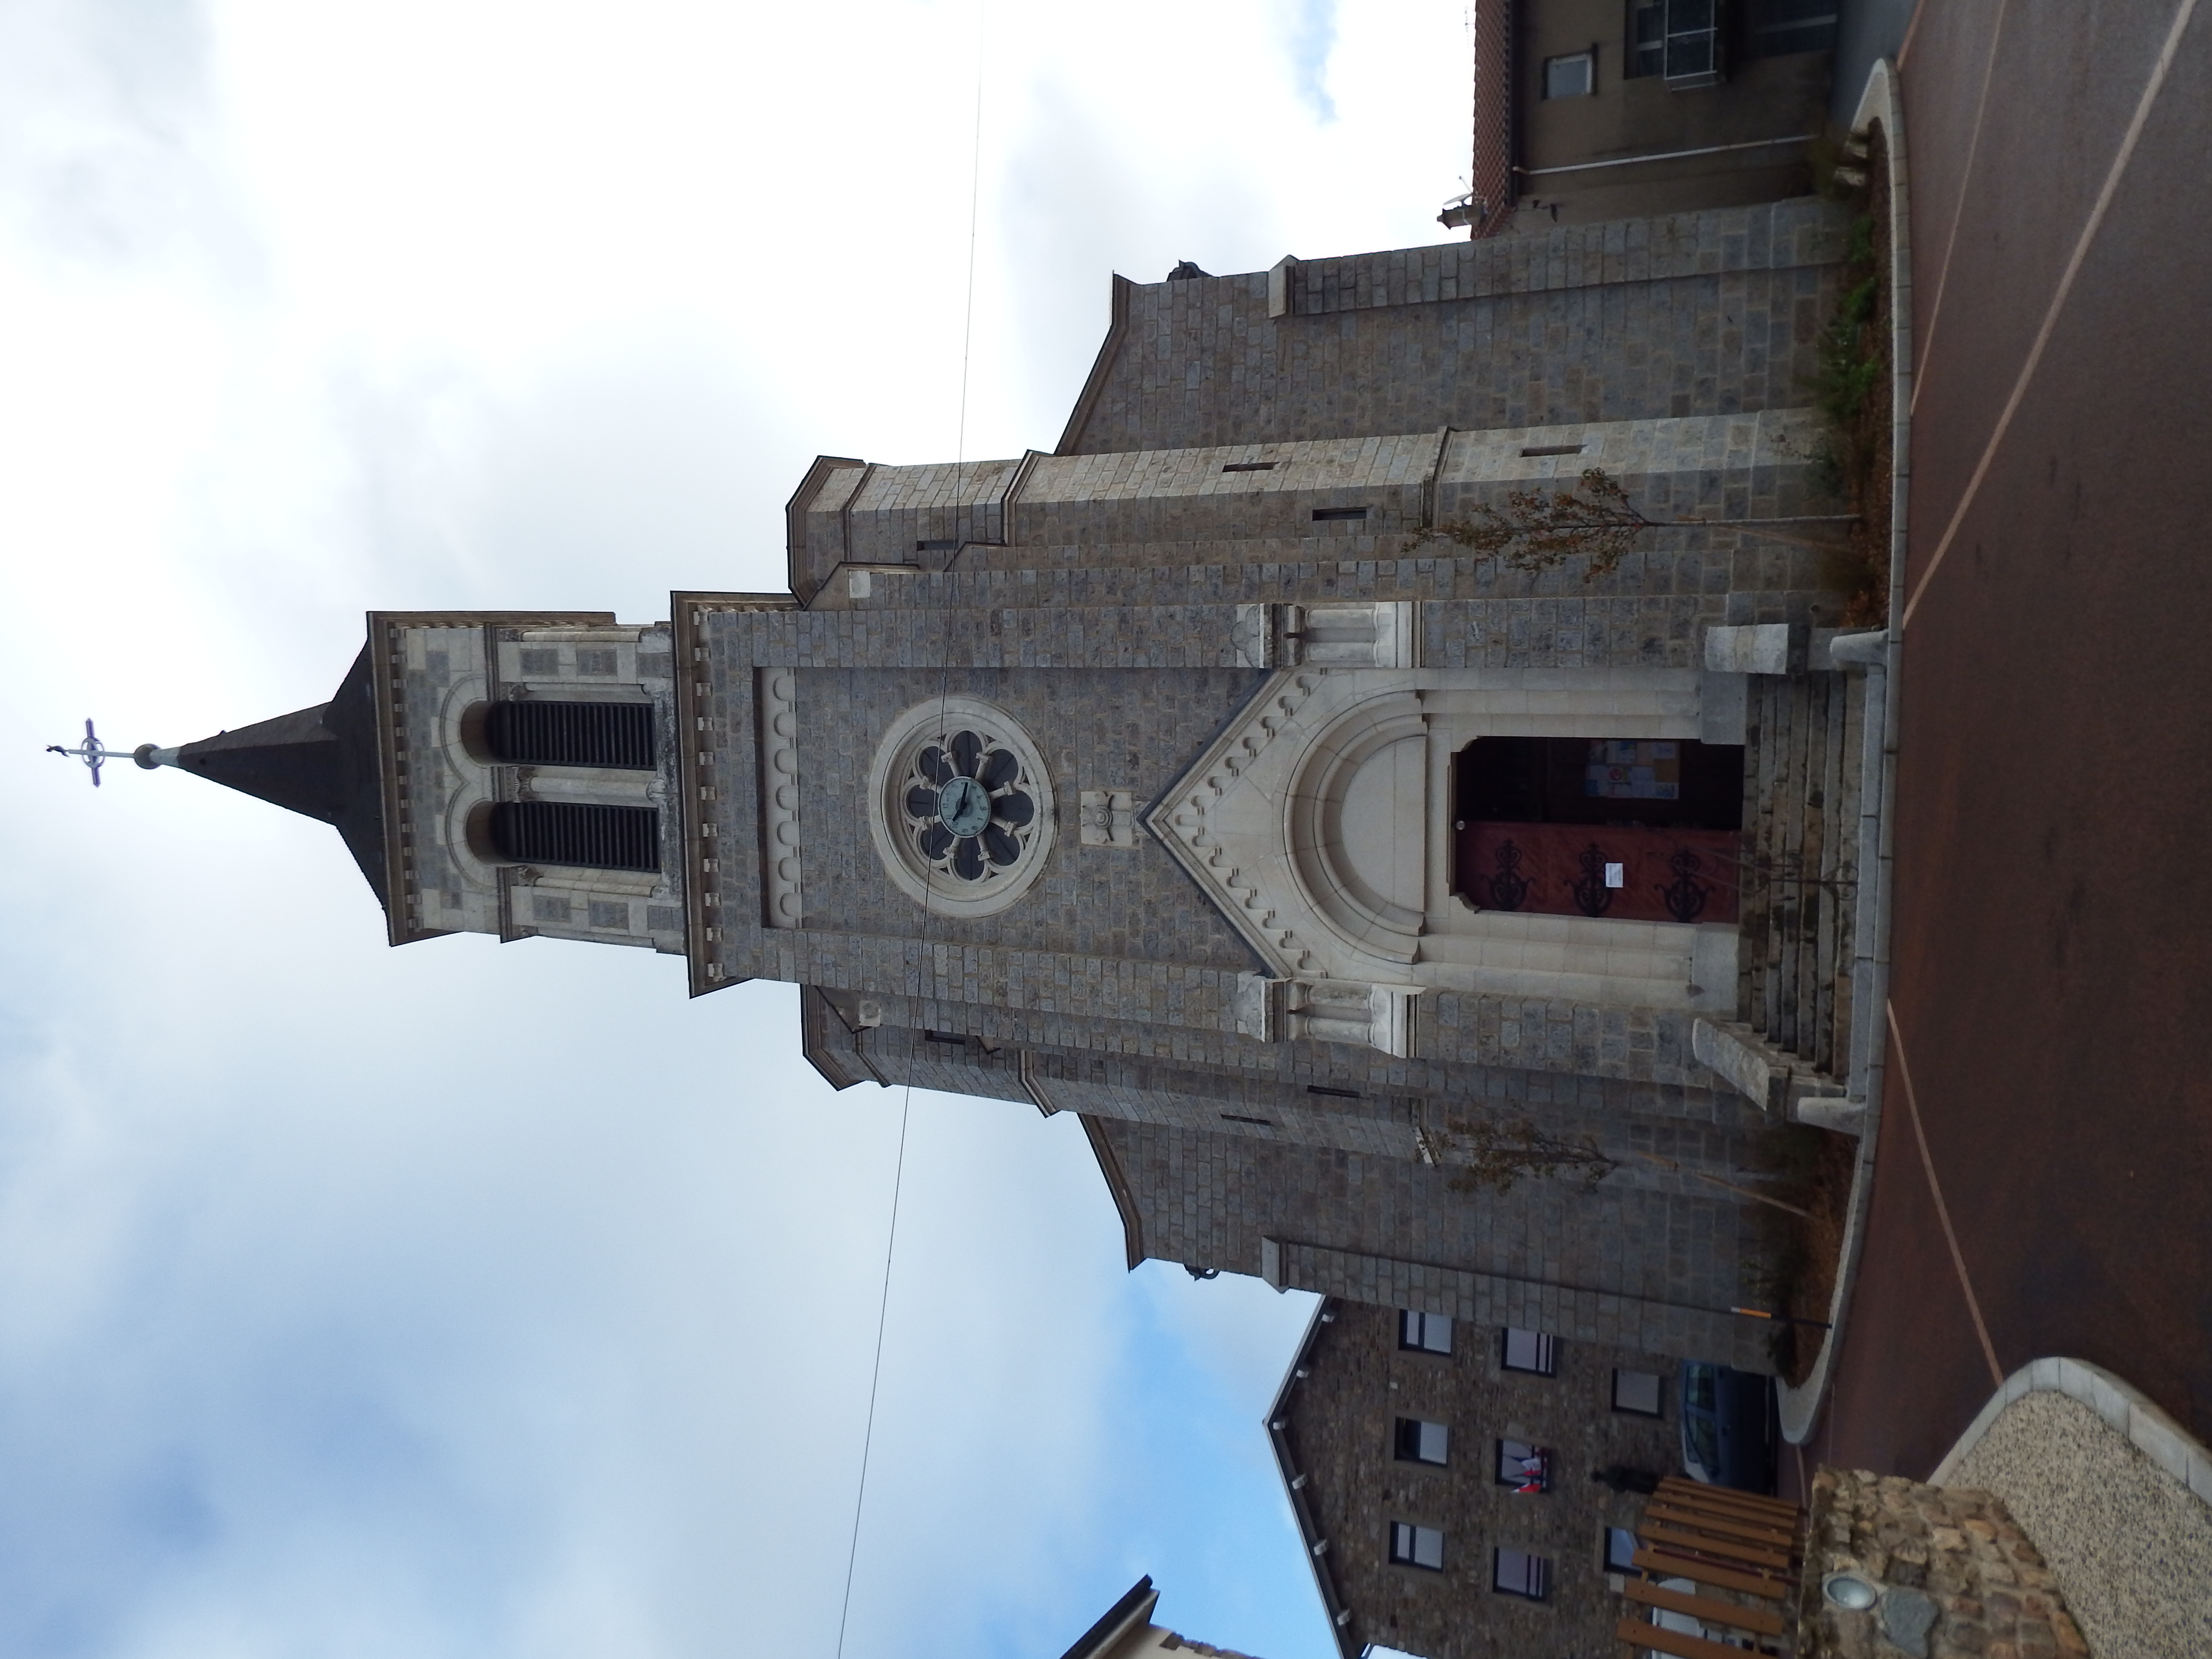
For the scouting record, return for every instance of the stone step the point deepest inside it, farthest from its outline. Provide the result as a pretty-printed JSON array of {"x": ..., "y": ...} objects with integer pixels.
[{"x": 1800, "y": 864}]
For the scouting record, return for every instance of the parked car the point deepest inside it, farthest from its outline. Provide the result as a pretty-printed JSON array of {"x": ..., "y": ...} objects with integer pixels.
[{"x": 1730, "y": 1428}]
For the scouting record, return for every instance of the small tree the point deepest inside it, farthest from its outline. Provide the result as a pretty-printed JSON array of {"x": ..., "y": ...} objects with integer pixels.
[
  {"x": 1536, "y": 529},
  {"x": 1495, "y": 1152}
]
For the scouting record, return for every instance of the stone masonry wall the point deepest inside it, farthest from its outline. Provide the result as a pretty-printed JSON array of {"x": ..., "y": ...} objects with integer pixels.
[
  {"x": 1340, "y": 1419},
  {"x": 1959, "y": 1578},
  {"x": 1690, "y": 313},
  {"x": 1619, "y": 1258}
]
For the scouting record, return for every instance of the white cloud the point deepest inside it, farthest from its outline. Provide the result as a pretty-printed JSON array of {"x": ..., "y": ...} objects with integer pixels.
[{"x": 464, "y": 1300}]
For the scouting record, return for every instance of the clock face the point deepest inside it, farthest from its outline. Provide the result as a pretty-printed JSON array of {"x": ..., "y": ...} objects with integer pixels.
[{"x": 964, "y": 806}]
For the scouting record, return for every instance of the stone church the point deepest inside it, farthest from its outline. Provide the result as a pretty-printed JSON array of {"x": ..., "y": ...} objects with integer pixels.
[{"x": 1192, "y": 779}]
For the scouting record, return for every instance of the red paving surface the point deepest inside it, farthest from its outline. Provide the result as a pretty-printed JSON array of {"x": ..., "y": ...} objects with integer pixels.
[{"x": 2052, "y": 943}]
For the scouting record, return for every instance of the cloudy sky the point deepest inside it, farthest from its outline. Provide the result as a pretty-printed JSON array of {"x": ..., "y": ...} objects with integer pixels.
[{"x": 491, "y": 1302}]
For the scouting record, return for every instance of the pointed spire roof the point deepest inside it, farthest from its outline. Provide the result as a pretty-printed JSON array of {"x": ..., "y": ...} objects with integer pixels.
[{"x": 319, "y": 762}]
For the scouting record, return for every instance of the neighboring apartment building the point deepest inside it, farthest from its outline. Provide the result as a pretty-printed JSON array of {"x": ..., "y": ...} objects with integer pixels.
[
  {"x": 1441, "y": 1474},
  {"x": 1125, "y": 1631},
  {"x": 1191, "y": 780},
  {"x": 1589, "y": 110}
]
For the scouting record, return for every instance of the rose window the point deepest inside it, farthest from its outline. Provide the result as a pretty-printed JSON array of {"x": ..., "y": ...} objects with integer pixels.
[
  {"x": 964, "y": 815},
  {"x": 965, "y": 806}
]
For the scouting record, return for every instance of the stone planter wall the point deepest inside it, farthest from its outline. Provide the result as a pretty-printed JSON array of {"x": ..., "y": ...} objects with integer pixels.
[{"x": 1959, "y": 1580}]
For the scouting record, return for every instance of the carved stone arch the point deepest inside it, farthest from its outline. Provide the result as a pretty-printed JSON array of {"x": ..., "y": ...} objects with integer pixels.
[
  {"x": 1356, "y": 825},
  {"x": 1319, "y": 822}
]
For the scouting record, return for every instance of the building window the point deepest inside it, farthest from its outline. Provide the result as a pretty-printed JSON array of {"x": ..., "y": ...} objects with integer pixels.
[
  {"x": 573, "y": 834},
  {"x": 1574, "y": 76},
  {"x": 618, "y": 734},
  {"x": 1524, "y": 1467},
  {"x": 1516, "y": 1572},
  {"x": 1620, "y": 1550},
  {"x": 1772, "y": 28},
  {"x": 1430, "y": 1332},
  {"x": 1681, "y": 39},
  {"x": 1528, "y": 1351},
  {"x": 1417, "y": 1547},
  {"x": 1420, "y": 1441},
  {"x": 1647, "y": 38},
  {"x": 1637, "y": 1393},
  {"x": 1328, "y": 514}
]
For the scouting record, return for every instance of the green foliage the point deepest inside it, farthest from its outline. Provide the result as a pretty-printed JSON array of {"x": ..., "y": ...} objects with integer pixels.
[
  {"x": 1850, "y": 363},
  {"x": 1537, "y": 529}
]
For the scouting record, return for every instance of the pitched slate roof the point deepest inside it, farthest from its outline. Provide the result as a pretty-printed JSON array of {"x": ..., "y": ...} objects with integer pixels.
[{"x": 319, "y": 762}]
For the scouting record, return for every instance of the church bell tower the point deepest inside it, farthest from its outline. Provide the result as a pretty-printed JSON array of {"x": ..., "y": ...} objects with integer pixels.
[{"x": 491, "y": 772}]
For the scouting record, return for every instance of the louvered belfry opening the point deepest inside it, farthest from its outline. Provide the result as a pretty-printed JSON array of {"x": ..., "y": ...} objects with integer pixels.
[
  {"x": 572, "y": 833},
  {"x": 572, "y": 734}
]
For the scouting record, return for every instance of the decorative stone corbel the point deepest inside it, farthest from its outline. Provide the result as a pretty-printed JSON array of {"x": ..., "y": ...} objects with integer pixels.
[
  {"x": 1348, "y": 1010},
  {"x": 1260, "y": 1002},
  {"x": 1252, "y": 636},
  {"x": 1380, "y": 634}
]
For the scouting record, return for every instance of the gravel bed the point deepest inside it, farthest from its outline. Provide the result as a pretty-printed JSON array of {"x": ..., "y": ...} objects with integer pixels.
[{"x": 2129, "y": 1545}]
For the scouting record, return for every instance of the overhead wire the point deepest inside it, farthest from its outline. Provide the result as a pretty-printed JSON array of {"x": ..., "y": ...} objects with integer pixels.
[{"x": 944, "y": 699}]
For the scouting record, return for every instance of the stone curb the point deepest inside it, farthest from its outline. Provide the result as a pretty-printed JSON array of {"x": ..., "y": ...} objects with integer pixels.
[
  {"x": 1800, "y": 1407},
  {"x": 2123, "y": 1407}
]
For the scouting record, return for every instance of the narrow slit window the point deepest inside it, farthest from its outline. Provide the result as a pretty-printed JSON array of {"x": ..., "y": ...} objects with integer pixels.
[
  {"x": 1249, "y": 466},
  {"x": 1417, "y": 1547},
  {"x": 1516, "y": 1572},
  {"x": 1330, "y": 514},
  {"x": 544, "y": 733},
  {"x": 1338, "y": 1094},
  {"x": 1529, "y": 1351},
  {"x": 1523, "y": 1468},
  {"x": 946, "y": 1036},
  {"x": 587, "y": 837},
  {"x": 1234, "y": 1117},
  {"x": 1422, "y": 1442},
  {"x": 1529, "y": 452},
  {"x": 1425, "y": 1332},
  {"x": 939, "y": 544}
]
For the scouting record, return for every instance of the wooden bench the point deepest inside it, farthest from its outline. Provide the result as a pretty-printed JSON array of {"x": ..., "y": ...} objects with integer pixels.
[{"x": 1739, "y": 1545}]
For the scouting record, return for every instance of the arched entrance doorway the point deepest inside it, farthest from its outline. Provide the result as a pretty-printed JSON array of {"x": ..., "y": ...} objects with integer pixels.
[{"x": 1626, "y": 829}]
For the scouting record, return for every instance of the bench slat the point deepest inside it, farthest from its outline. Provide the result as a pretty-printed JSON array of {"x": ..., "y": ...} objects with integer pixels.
[
  {"x": 1637, "y": 1634},
  {"x": 1749, "y": 1554},
  {"x": 1763, "y": 1621},
  {"x": 1705, "y": 1572}
]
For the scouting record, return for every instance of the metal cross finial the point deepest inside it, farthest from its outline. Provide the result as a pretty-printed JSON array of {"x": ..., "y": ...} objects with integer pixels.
[{"x": 92, "y": 752}]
